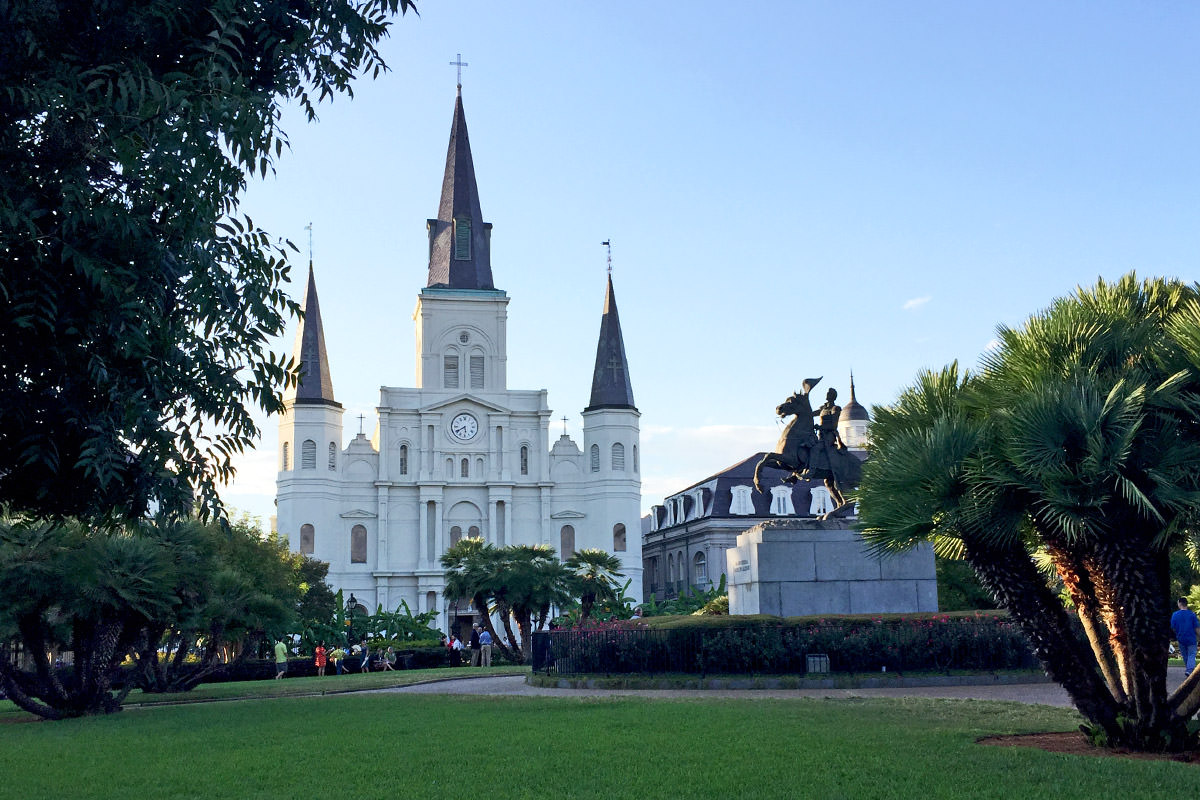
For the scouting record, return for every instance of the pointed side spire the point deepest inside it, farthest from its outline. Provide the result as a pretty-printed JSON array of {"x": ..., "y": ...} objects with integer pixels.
[
  {"x": 459, "y": 239},
  {"x": 315, "y": 385},
  {"x": 611, "y": 387}
]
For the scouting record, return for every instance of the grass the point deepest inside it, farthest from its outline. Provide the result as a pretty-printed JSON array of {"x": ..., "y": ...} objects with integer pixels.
[
  {"x": 416, "y": 746},
  {"x": 291, "y": 687}
]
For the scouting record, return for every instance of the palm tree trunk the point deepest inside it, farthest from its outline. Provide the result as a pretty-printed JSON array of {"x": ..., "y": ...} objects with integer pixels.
[
  {"x": 1013, "y": 579},
  {"x": 1139, "y": 575},
  {"x": 1078, "y": 583},
  {"x": 491, "y": 629}
]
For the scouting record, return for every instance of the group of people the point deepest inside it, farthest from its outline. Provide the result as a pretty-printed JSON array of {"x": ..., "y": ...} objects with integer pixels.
[
  {"x": 480, "y": 645},
  {"x": 322, "y": 656}
]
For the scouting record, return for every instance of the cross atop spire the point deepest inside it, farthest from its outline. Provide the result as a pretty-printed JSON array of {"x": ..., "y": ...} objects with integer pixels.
[{"x": 458, "y": 62}]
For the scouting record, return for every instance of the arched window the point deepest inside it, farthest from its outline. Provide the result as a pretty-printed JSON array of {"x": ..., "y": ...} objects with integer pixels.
[
  {"x": 619, "y": 538},
  {"x": 455, "y": 535},
  {"x": 431, "y": 601},
  {"x": 308, "y": 454},
  {"x": 473, "y": 532},
  {"x": 567, "y": 542},
  {"x": 670, "y": 569},
  {"x": 524, "y": 460},
  {"x": 700, "y": 568},
  {"x": 449, "y": 467},
  {"x": 595, "y": 458},
  {"x": 653, "y": 574},
  {"x": 358, "y": 545},
  {"x": 308, "y": 539},
  {"x": 332, "y": 456},
  {"x": 450, "y": 371},
  {"x": 286, "y": 464},
  {"x": 618, "y": 457},
  {"x": 635, "y": 459},
  {"x": 403, "y": 459},
  {"x": 464, "y": 468}
]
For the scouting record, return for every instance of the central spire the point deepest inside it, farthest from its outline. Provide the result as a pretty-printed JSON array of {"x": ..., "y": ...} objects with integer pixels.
[{"x": 459, "y": 239}]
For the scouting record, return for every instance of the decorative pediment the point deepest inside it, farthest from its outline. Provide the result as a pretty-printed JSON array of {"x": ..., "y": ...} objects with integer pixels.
[
  {"x": 567, "y": 515},
  {"x": 464, "y": 398},
  {"x": 357, "y": 513}
]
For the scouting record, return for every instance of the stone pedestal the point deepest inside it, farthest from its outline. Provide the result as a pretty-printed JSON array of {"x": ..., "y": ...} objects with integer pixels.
[{"x": 803, "y": 567}]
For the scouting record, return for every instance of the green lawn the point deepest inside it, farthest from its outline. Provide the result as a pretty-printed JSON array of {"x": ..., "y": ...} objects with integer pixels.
[
  {"x": 408, "y": 746},
  {"x": 288, "y": 687}
]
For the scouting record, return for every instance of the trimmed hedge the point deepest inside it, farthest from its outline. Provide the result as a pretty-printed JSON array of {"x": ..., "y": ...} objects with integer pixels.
[{"x": 773, "y": 646}]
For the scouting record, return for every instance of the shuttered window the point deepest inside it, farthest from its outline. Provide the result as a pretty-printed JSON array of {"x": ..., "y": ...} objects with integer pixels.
[
  {"x": 618, "y": 457},
  {"x": 450, "y": 372},
  {"x": 476, "y": 372},
  {"x": 462, "y": 239},
  {"x": 308, "y": 454},
  {"x": 595, "y": 458}
]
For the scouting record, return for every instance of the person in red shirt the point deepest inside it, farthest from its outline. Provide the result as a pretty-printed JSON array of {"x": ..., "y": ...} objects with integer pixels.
[{"x": 319, "y": 659}]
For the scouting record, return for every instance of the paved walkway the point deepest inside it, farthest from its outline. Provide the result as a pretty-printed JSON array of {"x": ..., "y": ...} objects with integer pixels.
[
  {"x": 1050, "y": 694},
  {"x": 1045, "y": 693}
]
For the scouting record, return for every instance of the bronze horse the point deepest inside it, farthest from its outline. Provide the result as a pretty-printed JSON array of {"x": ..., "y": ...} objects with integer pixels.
[{"x": 799, "y": 447}]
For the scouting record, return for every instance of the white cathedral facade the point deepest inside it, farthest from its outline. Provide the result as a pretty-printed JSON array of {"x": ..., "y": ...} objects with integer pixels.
[{"x": 459, "y": 454}]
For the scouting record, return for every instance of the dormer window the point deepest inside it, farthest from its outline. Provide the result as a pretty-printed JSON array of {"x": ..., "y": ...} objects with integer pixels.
[{"x": 462, "y": 239}]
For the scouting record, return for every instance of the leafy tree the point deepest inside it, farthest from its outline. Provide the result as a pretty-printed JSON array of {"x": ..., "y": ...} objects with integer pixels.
[
  {"x": 137, "y": 303},
  {"x": 1079, "y": 438},
  {"x": 592, "y": 577},
  {"x": 232, "y": 585}
]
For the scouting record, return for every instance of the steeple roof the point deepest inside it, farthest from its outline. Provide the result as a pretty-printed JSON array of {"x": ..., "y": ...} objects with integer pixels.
[
  {"x": 459, "y": 239},
  {"x": 611, "y": 387},
  {"x": 315, "y": 385}
]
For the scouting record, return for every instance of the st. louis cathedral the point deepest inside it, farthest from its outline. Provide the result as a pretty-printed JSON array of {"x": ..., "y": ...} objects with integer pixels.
[{"x": 459, "y": 454}]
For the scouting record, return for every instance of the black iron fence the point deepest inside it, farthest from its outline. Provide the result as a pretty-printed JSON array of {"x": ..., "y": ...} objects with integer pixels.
[{"x": 930, "y": 644}]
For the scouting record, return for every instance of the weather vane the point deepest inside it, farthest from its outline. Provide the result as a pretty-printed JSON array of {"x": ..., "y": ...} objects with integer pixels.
[
  {"x": 608, "y": 243},
  {"x": 458, "y": 62}
]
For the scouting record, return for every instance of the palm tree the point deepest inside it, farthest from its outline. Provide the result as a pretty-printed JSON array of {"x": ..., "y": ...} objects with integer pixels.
[
  {"x": 592, "y": 577},
  {"x": 67, "y": 586},
  {"x": 532, "y": 579},
  {"x": 1077, "y": 438},
  {"x": 472, "y": 571}
]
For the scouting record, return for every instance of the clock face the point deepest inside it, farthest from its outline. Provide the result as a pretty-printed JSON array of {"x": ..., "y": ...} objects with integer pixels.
[{"x": 464, "y": 427}]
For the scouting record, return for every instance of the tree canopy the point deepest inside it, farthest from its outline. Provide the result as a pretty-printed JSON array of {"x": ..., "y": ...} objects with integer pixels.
[
  {"x": 1078, "y": 441},
  {"x": 137, "y": 303}
]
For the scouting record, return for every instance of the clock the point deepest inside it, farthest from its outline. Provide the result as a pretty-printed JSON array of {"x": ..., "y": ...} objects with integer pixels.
[{"x": 464, "y": 427}]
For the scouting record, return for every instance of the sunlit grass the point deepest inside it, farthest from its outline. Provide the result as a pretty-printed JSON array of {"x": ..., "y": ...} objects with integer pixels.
[{"x": 399, "y": 745}]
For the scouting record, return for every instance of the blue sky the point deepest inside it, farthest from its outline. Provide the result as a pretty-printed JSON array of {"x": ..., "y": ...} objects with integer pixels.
[{"x": 792, "y": 189}]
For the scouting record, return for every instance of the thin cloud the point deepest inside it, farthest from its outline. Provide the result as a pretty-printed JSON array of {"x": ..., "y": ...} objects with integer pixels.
[{"x": 915, "y": 303}]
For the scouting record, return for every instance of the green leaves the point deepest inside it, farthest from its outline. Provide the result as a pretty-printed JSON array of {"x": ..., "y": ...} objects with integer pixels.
[{"x": 138, "y": 304}]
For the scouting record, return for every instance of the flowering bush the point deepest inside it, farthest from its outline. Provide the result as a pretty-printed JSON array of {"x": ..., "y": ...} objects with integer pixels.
[{"x": 854, "y": 644}]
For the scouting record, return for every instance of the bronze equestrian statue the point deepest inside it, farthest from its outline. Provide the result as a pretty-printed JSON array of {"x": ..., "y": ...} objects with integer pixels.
[{"x": 811, "y": 452}]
